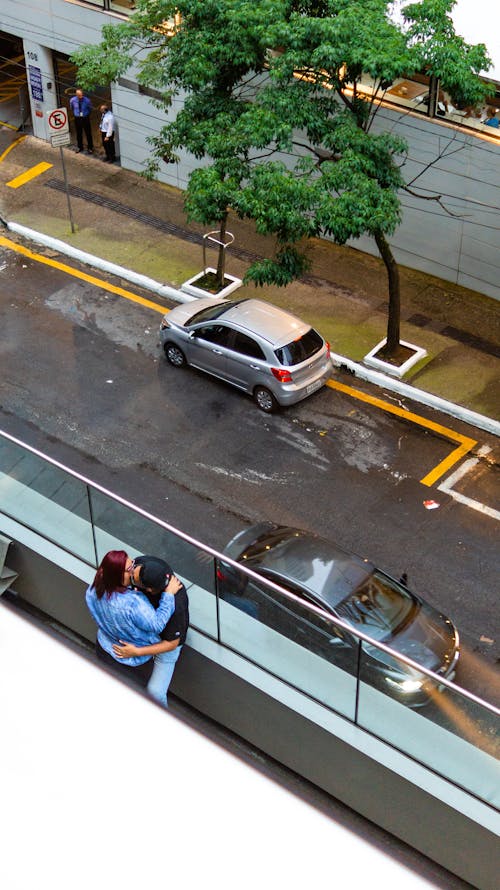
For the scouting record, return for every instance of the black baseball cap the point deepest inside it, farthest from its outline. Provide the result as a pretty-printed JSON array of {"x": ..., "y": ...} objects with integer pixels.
[{"x": 154, "y": 572}]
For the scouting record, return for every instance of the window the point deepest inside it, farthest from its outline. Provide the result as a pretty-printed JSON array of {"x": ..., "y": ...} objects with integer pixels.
[
  {"x": 246, "y": 346},
  {"x": 300, "y": 350},
  {"x": 123, "y": 6},
  {"x": 214, "y": 333}
]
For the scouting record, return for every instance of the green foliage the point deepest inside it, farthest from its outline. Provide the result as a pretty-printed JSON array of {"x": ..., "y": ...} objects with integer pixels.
[
  {"x": 288, "y": 265},
  {"x": 240, "y": 103},
  {"x": 444, "y": 54}
]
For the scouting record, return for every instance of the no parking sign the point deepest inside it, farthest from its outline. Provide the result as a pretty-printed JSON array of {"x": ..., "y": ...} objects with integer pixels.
[{"x": 58, "y": 126}]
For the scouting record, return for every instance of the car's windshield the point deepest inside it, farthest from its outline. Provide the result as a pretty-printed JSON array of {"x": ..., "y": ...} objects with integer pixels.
[
  {"x": 301, "y": 349},
  {"x": 381, "y": 607},
  {"x": 211, "y": 312}
]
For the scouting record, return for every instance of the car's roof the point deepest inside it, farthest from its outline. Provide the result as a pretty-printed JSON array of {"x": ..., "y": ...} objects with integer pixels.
[
  {"x": 319, "y": 566},
  {"x": 275, "y": 325}
]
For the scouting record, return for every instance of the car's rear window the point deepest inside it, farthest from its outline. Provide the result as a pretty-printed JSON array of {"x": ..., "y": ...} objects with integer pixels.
[{"x": 299, "y": 350}]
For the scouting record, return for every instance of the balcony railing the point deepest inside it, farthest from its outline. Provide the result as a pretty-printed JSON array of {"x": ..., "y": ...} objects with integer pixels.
[{"x": 456, "y": 734}]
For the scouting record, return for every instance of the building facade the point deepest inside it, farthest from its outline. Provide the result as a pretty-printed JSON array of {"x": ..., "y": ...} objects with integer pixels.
[{"x": 453, "y": 156}]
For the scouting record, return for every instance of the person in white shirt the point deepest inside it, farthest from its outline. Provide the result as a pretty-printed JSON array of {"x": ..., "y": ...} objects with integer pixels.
[{"x": 107, "y": 128}]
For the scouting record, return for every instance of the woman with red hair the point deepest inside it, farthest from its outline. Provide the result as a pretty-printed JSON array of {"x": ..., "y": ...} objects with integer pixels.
[{"x": 124, "y": 614}]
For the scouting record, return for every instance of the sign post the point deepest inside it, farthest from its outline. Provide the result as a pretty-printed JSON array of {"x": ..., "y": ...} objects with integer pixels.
[{"x": 59, "y": 136}]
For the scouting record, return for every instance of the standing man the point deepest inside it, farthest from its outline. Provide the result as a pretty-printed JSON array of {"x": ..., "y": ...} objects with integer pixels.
[
  {"x": 151, "y": 575},
  {"x": 81, "y": 107},
  {"x": 107, "y": 128}
]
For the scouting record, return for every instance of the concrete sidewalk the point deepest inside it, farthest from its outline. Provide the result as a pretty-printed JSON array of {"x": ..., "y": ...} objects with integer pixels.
[{"x": 140, "y": 227}]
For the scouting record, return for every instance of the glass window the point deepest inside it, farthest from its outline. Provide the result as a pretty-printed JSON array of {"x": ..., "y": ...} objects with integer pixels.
[
  {"x": 246, "y": 346},
  {"x": 214, "y": 333},
  {"x": 380, "y": 607},
  {"x": 121, "y": 5},
  {"x": 300, "y": 350},
  {"x": 210, "y": 312}
]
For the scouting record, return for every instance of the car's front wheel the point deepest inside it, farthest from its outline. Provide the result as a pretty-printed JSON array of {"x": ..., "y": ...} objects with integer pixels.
[
  {"x": 265, "y": 399},
  {"x": 174, "y": 355}
]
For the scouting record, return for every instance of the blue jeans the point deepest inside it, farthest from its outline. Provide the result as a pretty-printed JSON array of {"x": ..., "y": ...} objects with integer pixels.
[{"x": 163, "y": 670}]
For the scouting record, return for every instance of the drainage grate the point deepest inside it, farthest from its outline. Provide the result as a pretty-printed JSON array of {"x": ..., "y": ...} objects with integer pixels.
[{"x": 147, "y": 218}]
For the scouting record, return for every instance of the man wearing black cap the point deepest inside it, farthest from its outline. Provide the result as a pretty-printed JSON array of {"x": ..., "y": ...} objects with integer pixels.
[{"x": 150, "y": 575}]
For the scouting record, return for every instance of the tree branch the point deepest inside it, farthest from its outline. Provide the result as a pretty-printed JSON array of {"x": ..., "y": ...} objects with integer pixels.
[{"x": 437, "y": 198}]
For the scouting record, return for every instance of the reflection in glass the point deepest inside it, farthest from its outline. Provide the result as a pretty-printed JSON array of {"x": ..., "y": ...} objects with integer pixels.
[
  {"x": 46, "y": 499},
  {"x": 288, "y": 639},
  {"x": 452, "y": 735}
]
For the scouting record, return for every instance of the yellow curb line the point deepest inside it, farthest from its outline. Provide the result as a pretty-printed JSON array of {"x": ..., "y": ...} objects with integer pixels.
[
  {"x": 30, "y": 174},
  {"x": 12, "y": 145},
  {"x": 465, "y": 443},
  {"x": 76, "y": 273}
]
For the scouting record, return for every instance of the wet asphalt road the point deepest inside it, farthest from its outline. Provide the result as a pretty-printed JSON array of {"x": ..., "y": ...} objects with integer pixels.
[{"x": 83, "y": 379}]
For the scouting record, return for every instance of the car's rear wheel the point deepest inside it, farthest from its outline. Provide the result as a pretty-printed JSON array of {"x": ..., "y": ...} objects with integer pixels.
[
  {"x": 265, "y": 399},
  {"x": 174, "y": 355}
]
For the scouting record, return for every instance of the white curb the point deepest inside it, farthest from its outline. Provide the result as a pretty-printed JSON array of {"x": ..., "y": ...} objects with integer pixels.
[
  {"x": 164, "y": 290},
  {"x": 418, "y": 395}
]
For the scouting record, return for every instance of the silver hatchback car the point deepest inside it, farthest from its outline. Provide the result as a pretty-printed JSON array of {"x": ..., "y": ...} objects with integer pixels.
[{"x": 261, "y": 349}]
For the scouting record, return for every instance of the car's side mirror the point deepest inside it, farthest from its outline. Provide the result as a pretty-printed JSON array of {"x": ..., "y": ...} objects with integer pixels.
[{"x": 192, "y": 335}]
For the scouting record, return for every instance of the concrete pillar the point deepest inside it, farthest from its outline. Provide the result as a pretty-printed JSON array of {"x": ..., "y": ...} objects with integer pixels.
[{"x": 41, "y": 85}]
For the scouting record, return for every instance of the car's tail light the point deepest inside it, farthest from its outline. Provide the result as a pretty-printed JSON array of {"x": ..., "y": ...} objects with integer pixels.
[
  {"x": 327, "y": 346},
  {"x": 282, "y": 375}
]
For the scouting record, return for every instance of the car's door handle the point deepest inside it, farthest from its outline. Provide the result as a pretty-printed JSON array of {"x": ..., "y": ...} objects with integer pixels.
[
  {"x": 255, "y": 367},
  {"x": 217, "y": 351}
]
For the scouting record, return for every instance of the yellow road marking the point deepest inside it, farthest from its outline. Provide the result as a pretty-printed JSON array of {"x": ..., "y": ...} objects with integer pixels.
[
  {"x": 12, "y": 145},
  {"x": 30, "y": 174},
  {"x": 465, "y": 444},
  {"x": 76, "y": 273}
]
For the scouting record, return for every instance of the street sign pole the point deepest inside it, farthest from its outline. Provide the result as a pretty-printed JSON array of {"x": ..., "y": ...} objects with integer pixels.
[
  {"x": 59, "y": 134},
  {"x": 63, "y": 164}
]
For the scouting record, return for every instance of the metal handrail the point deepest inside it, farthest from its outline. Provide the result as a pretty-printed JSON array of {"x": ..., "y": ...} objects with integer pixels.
[{"x": 337, "y": 622}]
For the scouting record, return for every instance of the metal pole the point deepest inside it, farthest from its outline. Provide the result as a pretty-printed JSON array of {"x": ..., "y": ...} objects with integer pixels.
[{"x": 67, "y": 190}]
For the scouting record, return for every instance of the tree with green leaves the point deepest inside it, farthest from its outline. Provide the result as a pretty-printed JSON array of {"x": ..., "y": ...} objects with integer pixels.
[
  {"x": 260, "y": 77},
  {"x": 212, "y": 53},
  {"x": 349, "y": 174}
]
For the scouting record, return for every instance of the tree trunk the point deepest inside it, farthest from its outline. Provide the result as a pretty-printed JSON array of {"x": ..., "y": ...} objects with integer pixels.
[
  {"x": 394, "y": 313},
  {"x": 221, "y": 259}
]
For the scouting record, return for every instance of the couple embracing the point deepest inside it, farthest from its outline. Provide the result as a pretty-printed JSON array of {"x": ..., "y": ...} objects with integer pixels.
[{"x": 142, "y": 614}]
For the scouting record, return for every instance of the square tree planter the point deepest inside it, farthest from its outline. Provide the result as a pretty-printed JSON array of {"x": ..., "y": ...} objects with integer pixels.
[
  {"x": 415, "y": 353},
  {"x": 230, "y": 284}
]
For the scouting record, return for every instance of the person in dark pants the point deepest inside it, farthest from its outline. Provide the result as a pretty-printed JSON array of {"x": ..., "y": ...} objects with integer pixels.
[
  {"x": 107, "y": 128},
  {"x": 81, "y": 107}
]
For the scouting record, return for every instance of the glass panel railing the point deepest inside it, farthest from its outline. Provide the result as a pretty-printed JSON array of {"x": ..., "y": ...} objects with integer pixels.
[
  {"x": 452, "y": 733},
  {"x": 288, "y": 639},
  {"x": 46, "y": 499},
  {"x": 118, "y": 527},
  {"x": 443, "y": 729}
]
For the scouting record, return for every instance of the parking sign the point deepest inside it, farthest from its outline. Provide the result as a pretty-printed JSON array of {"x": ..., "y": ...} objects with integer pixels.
[{"x": 58, "y": 121}]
